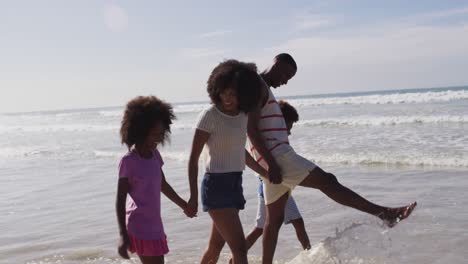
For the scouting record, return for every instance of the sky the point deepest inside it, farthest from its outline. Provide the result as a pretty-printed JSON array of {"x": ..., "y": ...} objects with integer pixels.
[{"x": 57, "y": 54}]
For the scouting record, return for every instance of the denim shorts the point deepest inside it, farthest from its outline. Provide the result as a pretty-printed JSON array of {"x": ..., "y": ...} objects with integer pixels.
[{"x": 222, "y": 190}]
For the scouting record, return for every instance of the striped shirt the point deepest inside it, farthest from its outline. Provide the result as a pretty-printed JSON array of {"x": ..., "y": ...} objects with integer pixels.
[
  {"x": 225, "y": 149},
  {"x": 273, "y": 129}
]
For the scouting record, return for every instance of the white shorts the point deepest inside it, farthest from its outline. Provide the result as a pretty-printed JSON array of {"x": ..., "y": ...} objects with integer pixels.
[
  {"x": 294, "y": 169},
  {"x": 291, "y": 212}
]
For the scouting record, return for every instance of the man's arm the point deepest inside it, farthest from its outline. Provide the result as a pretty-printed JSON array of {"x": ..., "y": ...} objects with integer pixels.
[
  {"x": 252, "y": 164},
  {"x": 255, "y": 137}
]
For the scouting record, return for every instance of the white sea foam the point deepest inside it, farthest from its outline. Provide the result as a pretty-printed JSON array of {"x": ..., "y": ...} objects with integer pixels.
[
  {"x": 374, "y": 158},
  {"x": 176, "y": 155},
  {"x": 182, "y": 126},
  {"x": 167, "y": 155},
  {"x": 26, "y": 151},
  {"x": 83, "y": 127},
  {"x": 384, "y": 159},
  {"x": 189, "y": 108},
  {"x": 108, "y": 154},
  {"x": 345, "y": 121},
  {"x": 178, "y": 109},
  {"x": 57, "y": 127},
  {"x": 384, "y": 120},
  {"x": 396, "y": 98},
  {"x": 112, "y": 113}
]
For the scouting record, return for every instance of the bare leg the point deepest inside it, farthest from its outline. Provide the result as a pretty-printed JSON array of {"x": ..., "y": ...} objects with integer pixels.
[
  {"x": 328, "y": 184},
  {"x": 253, "y": 236},
  {"x": 152, "y": 259},
  {"x": 301, "y": 232},
  {"x": 274, "y": 220},
  {"x": 228, "y": 225},
  {"x": 215, "y": 245}
]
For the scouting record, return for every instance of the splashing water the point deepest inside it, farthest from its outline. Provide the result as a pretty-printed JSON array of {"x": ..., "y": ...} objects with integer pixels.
[{"x": 355, "y": 244}]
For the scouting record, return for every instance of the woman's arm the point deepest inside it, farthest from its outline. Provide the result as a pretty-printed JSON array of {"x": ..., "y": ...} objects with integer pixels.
[{"x": 199, "y": 140}]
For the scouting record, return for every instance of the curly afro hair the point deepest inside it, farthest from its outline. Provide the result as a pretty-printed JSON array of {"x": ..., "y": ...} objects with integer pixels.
[
  {"x": 289, "y": 112},
  {"x": 242, "y": 77},
  {"x": 141, "y": 115}
]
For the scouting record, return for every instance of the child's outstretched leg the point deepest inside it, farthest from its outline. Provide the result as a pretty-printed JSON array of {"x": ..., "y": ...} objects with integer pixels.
[
  {"x": 328, "y": 184},
  {"x": 215, "y": 245},
  {"x": 152, "y": 259},
  {"x": 229, "y": 226},
  {"x": 301, "y": 233}
]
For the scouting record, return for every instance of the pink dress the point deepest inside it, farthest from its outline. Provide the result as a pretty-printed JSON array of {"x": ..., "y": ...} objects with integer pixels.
[{"x": 144, "y": 223}]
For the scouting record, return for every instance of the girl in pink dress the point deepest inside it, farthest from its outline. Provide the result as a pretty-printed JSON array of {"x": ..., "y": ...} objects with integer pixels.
[{"x": 146, "y": 123}]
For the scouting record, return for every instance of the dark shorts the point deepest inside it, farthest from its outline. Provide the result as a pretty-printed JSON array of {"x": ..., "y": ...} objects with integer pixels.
[{"x": 222, "y": 190}]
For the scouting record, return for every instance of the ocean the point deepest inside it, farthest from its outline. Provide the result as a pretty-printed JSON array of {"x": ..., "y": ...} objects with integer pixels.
[{"x": 58, "y": 175}]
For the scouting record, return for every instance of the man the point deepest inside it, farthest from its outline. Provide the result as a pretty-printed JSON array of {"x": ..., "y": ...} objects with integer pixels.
[
  {"x": 268, "y": 134},
  {"x": 291, "y": 212}
]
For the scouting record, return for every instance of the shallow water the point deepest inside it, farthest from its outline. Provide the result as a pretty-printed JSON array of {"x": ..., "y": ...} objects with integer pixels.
[{"x": 58, "y": 173}]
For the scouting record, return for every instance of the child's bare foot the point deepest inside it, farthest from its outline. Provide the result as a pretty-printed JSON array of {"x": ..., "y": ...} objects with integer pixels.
[{"x": 394, "y": 215}]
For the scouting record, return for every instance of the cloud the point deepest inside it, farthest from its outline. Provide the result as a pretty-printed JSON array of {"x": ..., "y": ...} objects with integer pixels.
[
  {"x": 382, "y": 56},
  {"x": 307, "y": 22},
  {"x": 440, "y": 14},
  {"x": 214, "y": 34},
  {"x": 395, "y": 45},
  {"x": 115, "y": 18},
  {"x": 196, "y": 53}
]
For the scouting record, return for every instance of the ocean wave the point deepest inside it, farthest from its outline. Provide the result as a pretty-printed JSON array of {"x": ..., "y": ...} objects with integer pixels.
[
  {"x": 59, "y": 128},
  {"x": 25, "y": 151},
  {"x": 384, "y": 120},
  {"x": 181, "y": 156},
  {"x": 111, "y": 113},
  {"x": 420, "y": 159},
  {"x": 178, "y": 109},
  {"x": 166, "y": 155},
  {"x": 396, "y": 98},
  {"x": 108, "y": 154},
  {"x": 381, "y": 159},
  {"x": 190, "y": 108}
]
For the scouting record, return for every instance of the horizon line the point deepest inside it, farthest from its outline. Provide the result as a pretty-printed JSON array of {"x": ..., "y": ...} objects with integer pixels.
[{"x": 202, "y": 101}]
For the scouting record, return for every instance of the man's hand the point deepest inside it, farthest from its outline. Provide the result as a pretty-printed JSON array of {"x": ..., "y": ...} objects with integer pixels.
[
  {"x": 124, "y": 244},
  {"x": 274, "y": 173}
]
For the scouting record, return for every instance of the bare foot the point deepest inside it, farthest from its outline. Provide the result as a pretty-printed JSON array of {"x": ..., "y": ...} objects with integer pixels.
[{"x": 394, "y": 215}]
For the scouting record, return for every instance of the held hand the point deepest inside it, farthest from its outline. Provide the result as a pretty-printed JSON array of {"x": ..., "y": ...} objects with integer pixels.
[
  {"x": 124, "y": 244},
  {"x": 192, "y": 207},
  {"x": 274, "y": 173},
  {"x": 186, "y": 210}
]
